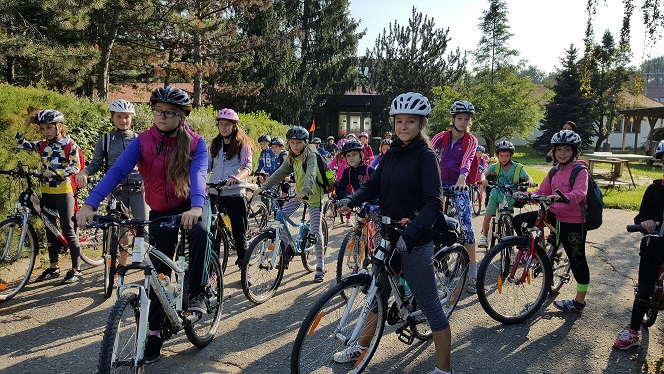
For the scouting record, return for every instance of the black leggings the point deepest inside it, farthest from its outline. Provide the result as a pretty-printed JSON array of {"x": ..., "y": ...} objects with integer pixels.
[
  {"x": 571, "y": 235},
  {"x": 64, "y": 205},
  {"x": 652, "y": 258},
  {"x": 165, "y": 240},
  {"x": 236, "y": 206}
]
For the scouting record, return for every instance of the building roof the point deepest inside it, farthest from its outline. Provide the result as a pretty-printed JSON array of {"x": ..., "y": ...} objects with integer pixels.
[
  {"x": 655, "y": 91},
  {"x": 140, "y": 92}
]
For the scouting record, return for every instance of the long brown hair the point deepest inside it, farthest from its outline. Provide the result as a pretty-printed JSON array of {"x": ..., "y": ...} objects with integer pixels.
[
  {"x": 179, "y": 162},
  {"x": 238, "y": 140}
]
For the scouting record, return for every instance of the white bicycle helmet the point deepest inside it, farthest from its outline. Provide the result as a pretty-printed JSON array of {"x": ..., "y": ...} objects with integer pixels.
[
  {"x": 49, "y": 116},
  {"x": 122, "y": 106},
  {"x": 462, "y": 106},
  {"x": 410, "y": 103},
  {"x": 566, "y": 137}
]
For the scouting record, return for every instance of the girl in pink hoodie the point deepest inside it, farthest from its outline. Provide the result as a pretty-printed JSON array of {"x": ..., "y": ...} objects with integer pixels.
[{"x": 567, "y": 218}]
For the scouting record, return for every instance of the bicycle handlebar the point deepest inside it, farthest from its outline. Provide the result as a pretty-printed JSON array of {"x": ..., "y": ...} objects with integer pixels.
[{"x": 168, "y": 222}]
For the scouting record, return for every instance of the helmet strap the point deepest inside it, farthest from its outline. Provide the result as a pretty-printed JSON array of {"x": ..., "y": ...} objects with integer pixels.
[
  {"x": 170, "y": 132},
  {"x": 453, "y": 126}
]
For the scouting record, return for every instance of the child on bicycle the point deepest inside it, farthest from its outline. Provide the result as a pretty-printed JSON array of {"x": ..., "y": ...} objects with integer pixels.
[
  {"x": 567, "y": 218},
  {"x": 107, "y": 150},
  {"x": 458, "y": 169},
  {"x": 408, "y": 181},
  {"x": 355, "y": 175},
  {"x": 652, "y": 258},
  {"x": 385, "y": 145},
  {"x": 172, "y": 160},
  {"x": 330, "y": 147},
  {"x": 280, "y": 155},
  {"x": 230, "y": 160},
  {"x": 502, "y": 173},
  {"x": 301, "y": 161},
  {"x": 569, "y": 125},
  {"x": 319, "y": 146},
  {"x": 56, "y": 188},
  {"x": 266, "y": 157},
  {"x": 368, "y": 155}
]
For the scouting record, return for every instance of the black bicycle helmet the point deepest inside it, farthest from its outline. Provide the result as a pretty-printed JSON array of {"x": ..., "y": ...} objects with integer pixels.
[
  {"x": 264, "y": 138},
  {"x": 352, "y": 145},
  {"x": 277, "y": 141},
  {"x": 172, "y": 95},
  {"x": 49, "y": 116},
  {"x": 298, "y": 133},
  {"x": 505, "y": 145},
  {"x": 566, "y": 137}
]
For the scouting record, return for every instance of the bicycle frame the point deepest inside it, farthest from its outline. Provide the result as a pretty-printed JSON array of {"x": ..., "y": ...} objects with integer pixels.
[{"x": 281, "y": 223}]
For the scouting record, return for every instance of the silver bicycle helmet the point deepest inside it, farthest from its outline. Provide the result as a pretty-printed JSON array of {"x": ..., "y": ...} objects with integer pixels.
[
  {"x": 659, "y": 151},
  {"x": 122, "y": 106},
  {"x": 462, "y": 106},
  {"x": 505, "y": 145},
  {"x": 566, "y": 137},
  {"x": 410, "y": 103},
  {"x": 49, "y": 116}
]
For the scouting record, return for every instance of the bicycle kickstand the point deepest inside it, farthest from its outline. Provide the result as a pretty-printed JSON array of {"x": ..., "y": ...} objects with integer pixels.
[{"x": 405, "y": 335}]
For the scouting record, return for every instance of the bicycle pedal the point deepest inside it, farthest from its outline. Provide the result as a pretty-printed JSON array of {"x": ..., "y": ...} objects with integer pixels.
[{"x": 404, "y": 335}]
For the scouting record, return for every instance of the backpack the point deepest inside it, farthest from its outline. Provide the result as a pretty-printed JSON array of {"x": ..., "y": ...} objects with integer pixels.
[
  {"x": 517, "y": 172},
  {"x": 72, "y": 178},
  {"x": 445, "y": 139},
  {"x": 593, "y": 213},
  {"x": 325, "y": 176},
  {"x": 106, "y": 144}
]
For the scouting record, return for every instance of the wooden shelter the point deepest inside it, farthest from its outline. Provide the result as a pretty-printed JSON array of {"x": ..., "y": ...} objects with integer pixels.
[{"x": 633, "y": 117}]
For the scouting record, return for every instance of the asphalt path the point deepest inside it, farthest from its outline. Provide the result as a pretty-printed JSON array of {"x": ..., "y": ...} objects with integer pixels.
[{"x": 49, "y": 328}]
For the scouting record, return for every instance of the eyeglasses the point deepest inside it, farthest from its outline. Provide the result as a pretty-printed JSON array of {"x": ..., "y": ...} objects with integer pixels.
[{"x": 165, "y": 113}]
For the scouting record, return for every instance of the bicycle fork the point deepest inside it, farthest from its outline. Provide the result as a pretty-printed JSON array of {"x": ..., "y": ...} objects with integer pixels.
[{"x": 21, "y": 240}]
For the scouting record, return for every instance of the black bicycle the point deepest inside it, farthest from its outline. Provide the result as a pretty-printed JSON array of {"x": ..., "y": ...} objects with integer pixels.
[{"x": 657, "y": 298}]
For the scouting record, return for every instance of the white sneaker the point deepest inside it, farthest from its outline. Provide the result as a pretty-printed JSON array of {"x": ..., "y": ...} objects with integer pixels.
[
  {"x": 438, "y": 371},
  {"x": 484, "y": 242},
  {"x": 471, "y": 286},
  {"x": 349, "y": 354}
]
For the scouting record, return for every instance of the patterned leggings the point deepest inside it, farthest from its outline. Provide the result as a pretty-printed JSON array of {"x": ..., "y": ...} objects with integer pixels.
[{"x": 461, "y": 201}]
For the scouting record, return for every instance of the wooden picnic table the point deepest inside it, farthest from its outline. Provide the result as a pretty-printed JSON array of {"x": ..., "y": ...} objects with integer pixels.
[{"x": 616, "y": 170}]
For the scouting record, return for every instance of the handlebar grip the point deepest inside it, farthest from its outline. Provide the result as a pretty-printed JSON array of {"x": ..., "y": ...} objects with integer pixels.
[
  {"x": 635, "y": 228},
  {"x": 563, "y": 198}
]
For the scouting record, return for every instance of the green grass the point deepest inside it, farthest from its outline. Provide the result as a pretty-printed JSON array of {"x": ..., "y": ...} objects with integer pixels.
[{"x": 615, "y": 198}]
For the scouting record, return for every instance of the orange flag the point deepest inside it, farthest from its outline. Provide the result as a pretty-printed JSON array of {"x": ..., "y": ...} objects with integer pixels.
[{"x": 313, "y": 126}]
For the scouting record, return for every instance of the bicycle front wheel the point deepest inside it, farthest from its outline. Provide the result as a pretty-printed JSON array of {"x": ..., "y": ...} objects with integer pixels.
[
  {"x": 329, "y": 328},
  {"x": 16, "y": 261},
  {"x": 330, "y": 212},
  {"x": 201, "y": 328},
  {"x": 262, "y": 268},
  {"x": 351, "y": 255},
  {"x": 110, "y": 256},
  {"x": 505, "y": 297},
  {"x": 119, "y": 345},
  {"x": 308, "y": 256},
  {"x": 476, "y": 200},
  {"x": 257, "y": 214},
  {"x": 221, "y": 244},
  {"x": 92, "y": 246},
  {"x": 559, "y": 265},
  {"x": 450, "y": 268}
]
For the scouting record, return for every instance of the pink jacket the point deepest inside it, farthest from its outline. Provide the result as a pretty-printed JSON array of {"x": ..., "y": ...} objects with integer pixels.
[
  {"x": 339, "y": 165},
  {"x": 570, "y": 212}
]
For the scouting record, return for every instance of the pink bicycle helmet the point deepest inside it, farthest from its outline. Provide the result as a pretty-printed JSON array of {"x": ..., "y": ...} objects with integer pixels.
[
  {"x": 228, "y": 114},
  {"x": 363, "y": 134}
]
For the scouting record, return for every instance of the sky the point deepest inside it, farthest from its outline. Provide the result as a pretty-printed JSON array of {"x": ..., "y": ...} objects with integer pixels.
[{"x": 543, "y": 29}]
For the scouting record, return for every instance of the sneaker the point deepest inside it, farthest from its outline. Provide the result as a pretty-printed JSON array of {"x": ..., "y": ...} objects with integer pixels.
[
  {"x": 153, "y": 349},
  {"x": 49, "y": 273},
  {"x": 569, "y": 305},
  {"x": 438, "y": 371},
  {"x": 197, "y": 304},
  {"x": 471, "y": 286},
  {"x": 349, "y": 354},
  {"x": 626, "y": 339},
  {"x": 484, "y": 242},
  {"x": 72, "y": 276},
  {"x": 349, "y": 223},
  {"x": 320, "y": 274}
]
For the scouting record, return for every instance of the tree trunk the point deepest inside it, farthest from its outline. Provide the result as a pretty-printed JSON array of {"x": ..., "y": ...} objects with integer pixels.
[
  {"x": 105, "y": 47},
  {"x": 10, "y": 73},
  {"x": 198, "y": 66}
]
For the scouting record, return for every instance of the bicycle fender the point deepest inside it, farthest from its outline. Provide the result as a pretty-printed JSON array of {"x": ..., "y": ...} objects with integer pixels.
[
  {"x": 366, "y": 277},
  {"x": 518, "y": 240}
]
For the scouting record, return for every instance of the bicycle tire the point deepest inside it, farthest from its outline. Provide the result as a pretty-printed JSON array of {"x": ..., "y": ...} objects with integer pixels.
[
  {"x": 351, "y": 256},
  {"x": 322, "y": 332},
  {"x": 110, "y": 260},
  {"x": 308, "y": 255},
  {"x": 504, "y": 300},
  {"x": 118, "y": 346},
  {"x": 257, "y": 217},
  {"x": 475, "y": 200},
  {"x": 15, "y": 268},
  {"x": 651, "y": 315},
  {"x": 507, "y": 230},
  {"x": 450, "y": 269},
  {"x": 560, "y": 266},
  {"x": 330, "y": 212},
  {"x": 201, "y": 332},
  {"x": 494, "y": 232},
  {"x": 91, "y": 241},
  {"x": 260, "y": 280},
  {"x": 221, "y": 244}
]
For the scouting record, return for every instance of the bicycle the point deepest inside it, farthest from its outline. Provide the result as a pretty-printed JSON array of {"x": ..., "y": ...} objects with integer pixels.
[
  {"x": 501, "y": 223},
  {"x": 357, "y": 244},
  {"x": 337, "y": 319},
  {"x": 657, "y": 298},
  {"x": 222, "y": 237},
  {"x": 330, "y": 209},
  {"x": 125, "y": 334},
  {"x": 476, "y": 197},
  {"x": 268, "y": 256},
  {"x": 516, "y": 275},
  {"x": 19, "y": 240}
]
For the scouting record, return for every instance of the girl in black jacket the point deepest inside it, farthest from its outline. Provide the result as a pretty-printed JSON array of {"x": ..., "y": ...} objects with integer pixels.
[{"x": 408, "y": 186}]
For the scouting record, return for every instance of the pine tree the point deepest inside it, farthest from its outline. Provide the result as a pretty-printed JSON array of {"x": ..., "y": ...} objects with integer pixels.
[{"x": 568, "y": 104}]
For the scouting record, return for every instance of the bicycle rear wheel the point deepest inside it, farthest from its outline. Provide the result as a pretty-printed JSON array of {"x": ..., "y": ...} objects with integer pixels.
[
  {"x": 260, "y": 277},
  {"x": 221, "y": 244},
  {"x": 450, "y": 268},
  {"x": 559, "y": 265},
  {"x": 351, "y": 254},
  {"x": 257, "y": 216},
  {"x": 119, "y": 344},
  {"x": 328, "y": 328},
  {"x": 308, "y": 256},
  {"x": 503, "y": 297},
  {"x": 476, "y": 200},
  {"x": 17, "y": 263},
  {"x": 92, "y": 246},
  {"x": 330, "y": 212},
  {"x": 201, "y": 328}
]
